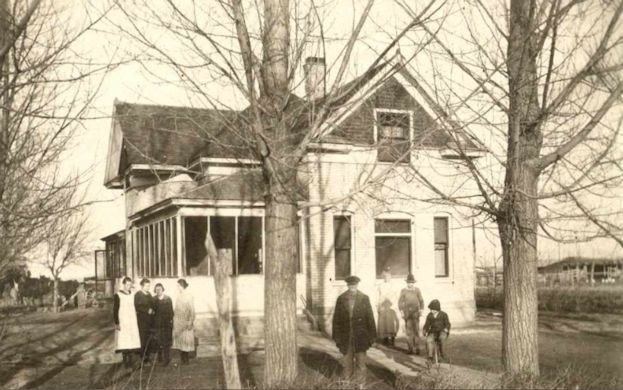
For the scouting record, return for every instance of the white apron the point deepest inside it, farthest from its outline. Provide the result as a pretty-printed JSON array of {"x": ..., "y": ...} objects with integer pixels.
[{"x": 127, "y": 337}]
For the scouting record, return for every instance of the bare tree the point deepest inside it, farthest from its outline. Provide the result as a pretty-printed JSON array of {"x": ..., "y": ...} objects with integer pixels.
[
  {"x": 257, "y": 49},
  {"x": 65, "y": 244},
  {"x": 540, "y": 80},
  {"x": 45, "y": 94}
]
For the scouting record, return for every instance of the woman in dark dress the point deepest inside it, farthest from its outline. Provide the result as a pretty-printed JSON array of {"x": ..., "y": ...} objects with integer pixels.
[
  {"x": 163, "y": 324},
  {"x": 144, "y": 306}
]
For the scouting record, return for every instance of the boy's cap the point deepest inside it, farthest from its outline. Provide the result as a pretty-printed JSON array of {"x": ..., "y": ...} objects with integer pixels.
[
  {"x": 410, "y": 278},
  {"x": 434, "y": 305},
  {"x": 352, "y": 280}
]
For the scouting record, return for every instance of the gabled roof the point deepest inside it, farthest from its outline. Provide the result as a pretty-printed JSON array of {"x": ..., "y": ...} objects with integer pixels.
[
  {"x": 166, "y": 134},
  {"x": 169, "y": 135}
]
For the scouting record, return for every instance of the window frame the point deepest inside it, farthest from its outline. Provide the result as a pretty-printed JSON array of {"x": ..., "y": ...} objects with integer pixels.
[
  {"x": 408, "y": 235},
  {"x": 447, "y": 247},
  {"x": 349, "y": 218},
  {"x": 378, "y": 111},
  {"x": 235, "y": 265},
  {"x": 152, "y": 256}
]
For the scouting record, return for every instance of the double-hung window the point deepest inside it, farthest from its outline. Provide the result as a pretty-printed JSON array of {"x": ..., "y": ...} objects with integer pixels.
[
  {"x": 441, "y": 247},
  {"x": 393, "y": 246},
  {"x": 393, "y": 129},
  {"x": 342, "y": 239}
]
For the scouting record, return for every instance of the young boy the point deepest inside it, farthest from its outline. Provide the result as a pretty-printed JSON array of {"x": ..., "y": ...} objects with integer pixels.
[{"x": 436, "y": 327}]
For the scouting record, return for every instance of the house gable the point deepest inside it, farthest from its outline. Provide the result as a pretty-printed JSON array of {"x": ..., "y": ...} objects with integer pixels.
[
  {"x": 358, "y": 127},
  {"x": 162, "y": 137},
  {"x": 115, "y": 158}
]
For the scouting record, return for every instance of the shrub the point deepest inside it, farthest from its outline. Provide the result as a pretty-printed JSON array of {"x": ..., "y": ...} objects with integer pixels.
[
  {"x": 489, "y": 298},
  {"x": 562, "y": 300}
]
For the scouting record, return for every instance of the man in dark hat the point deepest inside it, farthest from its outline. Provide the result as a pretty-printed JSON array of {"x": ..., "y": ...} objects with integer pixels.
[
  {"x": 411, "y": 304},
  {"x": 354, "y": 330}
]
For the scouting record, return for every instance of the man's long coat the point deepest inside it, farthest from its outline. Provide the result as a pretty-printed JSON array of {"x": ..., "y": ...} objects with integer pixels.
[{"x": 361, "y": 323}]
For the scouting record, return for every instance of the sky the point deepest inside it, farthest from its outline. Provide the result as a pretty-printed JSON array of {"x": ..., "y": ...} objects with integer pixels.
[{"x": 131, "y": 83}]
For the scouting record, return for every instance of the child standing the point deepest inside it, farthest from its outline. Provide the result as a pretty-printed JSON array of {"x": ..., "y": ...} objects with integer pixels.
[{"x": 436, "y": 328}]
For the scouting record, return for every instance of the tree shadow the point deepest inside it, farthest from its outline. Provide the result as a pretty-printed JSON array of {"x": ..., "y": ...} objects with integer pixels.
[
  {"x": 15, "y": 347},
  {"x": 322, "y": 362},
  {"x": 72, "y": 359}
]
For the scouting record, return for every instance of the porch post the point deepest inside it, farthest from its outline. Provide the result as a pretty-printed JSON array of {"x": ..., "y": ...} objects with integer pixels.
[{"x": 178, "y": 237}]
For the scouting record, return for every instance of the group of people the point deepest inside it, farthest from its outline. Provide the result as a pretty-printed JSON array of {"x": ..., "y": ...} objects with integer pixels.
[
  {"x": 355, "y": 331},
  {"x": 147, "y": 323}
]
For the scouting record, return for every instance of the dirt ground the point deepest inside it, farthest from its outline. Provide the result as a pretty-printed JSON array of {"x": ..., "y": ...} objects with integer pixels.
[{"x": 73, "y": 350}]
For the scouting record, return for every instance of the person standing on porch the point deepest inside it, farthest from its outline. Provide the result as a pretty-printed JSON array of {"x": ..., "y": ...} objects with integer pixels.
[
  {"x": 144, "y": 305},
  {"x": 127, "y": 338},
  {"x": 388, "y": 322},
  {"x": 354, "y": 330},
  {"x": 411, "y": 304},
  {"x": 183, "y": 322},
  {"x": 163, "y": 324}
]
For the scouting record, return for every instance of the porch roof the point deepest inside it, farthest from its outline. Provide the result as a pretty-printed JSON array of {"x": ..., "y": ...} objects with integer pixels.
[
  {"x": 246, "y": 185},
  {"x": 114, "y": 236}
]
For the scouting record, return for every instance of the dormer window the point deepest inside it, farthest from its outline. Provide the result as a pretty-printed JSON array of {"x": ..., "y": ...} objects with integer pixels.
[{"x": 393, "y": 135}]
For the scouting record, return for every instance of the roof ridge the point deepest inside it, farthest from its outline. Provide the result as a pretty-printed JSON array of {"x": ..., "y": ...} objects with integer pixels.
[{"x": 118, "y": 102}]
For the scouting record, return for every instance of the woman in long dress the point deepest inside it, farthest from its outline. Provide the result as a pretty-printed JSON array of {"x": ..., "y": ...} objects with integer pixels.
[
  {"x": 183, "y": 322},
  {"x": 388, "y": 318},
  {"x": 144, "y": 305},
  {"x": 163, "y": 324},
  {"x": 127, "y": 339}
]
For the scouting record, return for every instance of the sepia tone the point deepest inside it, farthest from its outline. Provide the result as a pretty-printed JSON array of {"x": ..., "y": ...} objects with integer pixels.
[{"x": 301, "y": 194}]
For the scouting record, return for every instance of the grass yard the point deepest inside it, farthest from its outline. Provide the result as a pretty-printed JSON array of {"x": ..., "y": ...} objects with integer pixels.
[
  {"x": 73, "y": 350},
  {"x": 589, "y": 347},
  {"x": 317, "y": 370}
]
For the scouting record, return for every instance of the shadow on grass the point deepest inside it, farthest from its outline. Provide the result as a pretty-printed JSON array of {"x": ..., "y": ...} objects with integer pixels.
[
  {"x": 323, "y": 363},
  {"x": 330, "y": 370},
  {"x": 72, "y": 359}
]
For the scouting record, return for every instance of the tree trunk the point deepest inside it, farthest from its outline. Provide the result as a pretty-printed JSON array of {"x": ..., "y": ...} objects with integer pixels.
[
  {"x": 221, "y": 262},
  {"x": 222, "y": 283},
  {"x": 518, "y": 235},
  {"x": 55, "y": 295},
  {"x": 518, "y": 215},
  {"x": 279, "y": 168},
  {"x": 280, "y": 294}
]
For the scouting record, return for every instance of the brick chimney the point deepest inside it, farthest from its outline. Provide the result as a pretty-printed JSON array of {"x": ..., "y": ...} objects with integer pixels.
[{"x": 314, "y": 77}]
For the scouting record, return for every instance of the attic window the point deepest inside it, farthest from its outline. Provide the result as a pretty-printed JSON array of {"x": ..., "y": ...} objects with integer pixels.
[{"x": 393, "y": 133}]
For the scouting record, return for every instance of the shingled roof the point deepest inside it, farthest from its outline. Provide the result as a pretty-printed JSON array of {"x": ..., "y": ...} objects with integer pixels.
[
  {"x": 154, "y": 134},
  {"x": 170, "y": 135}
]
